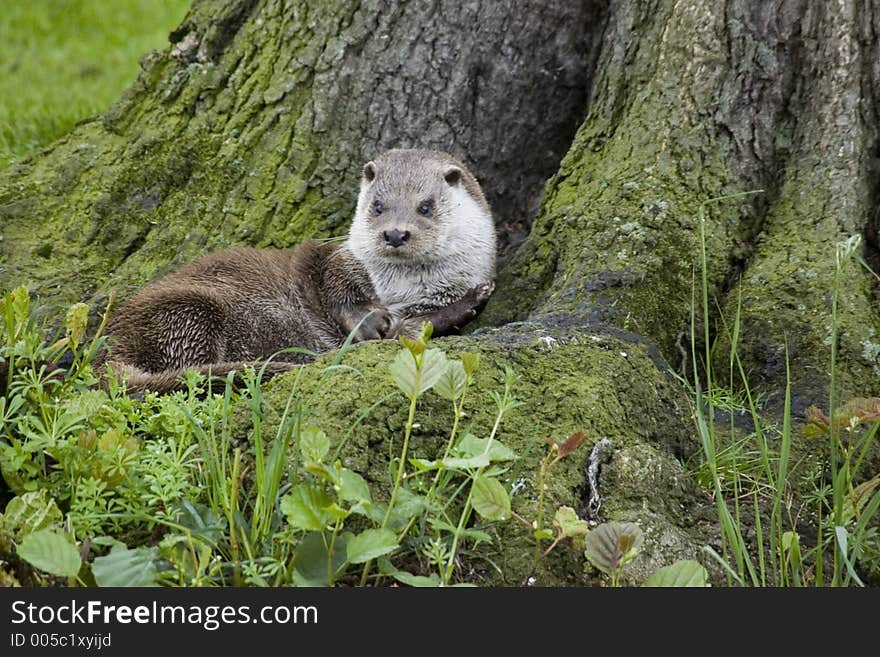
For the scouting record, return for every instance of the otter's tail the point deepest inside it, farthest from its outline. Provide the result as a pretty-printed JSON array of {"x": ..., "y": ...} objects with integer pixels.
[{"x": 138, "y": 381}]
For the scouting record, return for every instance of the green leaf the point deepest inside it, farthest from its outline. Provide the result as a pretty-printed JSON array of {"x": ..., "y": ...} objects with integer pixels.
[
  {"x": 407, "y": 505},
  {"x": 109, "y": 541},
  {"x": 612, "y": 545},
  {"x": 28, "y": 513},
  {"x": 404, "y": 372},
  {"x": 433, "y": 367},
  {"x": 490, "y": 499},
  {"x": 452, "y": 383},
  {"x": 313, "y": 444},
  {"x": 200, "y": 520},
  {"x": 328, "y": 472},
  {"x": 126, "y": 567},
  {"x": 413, "y": 380},
  {"x": 470, "y": 362},
  {"x": 425, "y": 464},
  {"x": 353, "y": 487},
  {"x": 20, "y": 303},
  {"x": 386, "y": 568},
  {"x": 304, "y": 507},
  {"x": 468, "y": 463},
  {"x": 51, "y": 552},
  {"x": 569, "y": 524},
  {"x": 311, "y": 560},
  {"x": 371, "y": 543},
  {"x": 75, "y": 321},
  {"x": 542, "y": 534},
  {"x": 472, "y": 534},
  {"x": 470, "y": 445},
  {"x": 682, "y": 573}
]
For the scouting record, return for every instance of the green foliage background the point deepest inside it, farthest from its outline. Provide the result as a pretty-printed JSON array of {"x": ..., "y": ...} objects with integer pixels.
[{"x": 64, "y": 60}]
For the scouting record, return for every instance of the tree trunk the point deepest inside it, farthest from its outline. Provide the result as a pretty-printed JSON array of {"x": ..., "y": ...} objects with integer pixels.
[
  {"x": 252, "y": 126},
  {"x": 694, "y": 101}
]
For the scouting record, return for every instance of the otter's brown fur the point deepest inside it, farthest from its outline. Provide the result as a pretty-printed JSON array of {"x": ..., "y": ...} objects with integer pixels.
[{"x": 242, "y": 305}]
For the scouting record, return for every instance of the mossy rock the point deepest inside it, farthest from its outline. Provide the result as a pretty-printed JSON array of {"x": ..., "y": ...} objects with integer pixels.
[{"x": 607, "y": 384}]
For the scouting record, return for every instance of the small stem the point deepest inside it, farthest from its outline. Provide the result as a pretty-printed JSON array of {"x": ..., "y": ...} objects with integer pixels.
[
  {"x": 233, "y": 507},
  {"x": 331, "y": 574},
  {"x": 539, "y": 523},
  {"x": 458, "y": 414},
  {"x": 465, "y": 514},
  {"x": 552, "y": 545},
  {"x": 521, "y": 519},
  {"x": 400, "y": 468}
]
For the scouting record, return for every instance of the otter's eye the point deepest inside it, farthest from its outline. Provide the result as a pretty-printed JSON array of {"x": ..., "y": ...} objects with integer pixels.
[
  {"x": 378, "y": 207},
  {"x": 425, "y": 208}
]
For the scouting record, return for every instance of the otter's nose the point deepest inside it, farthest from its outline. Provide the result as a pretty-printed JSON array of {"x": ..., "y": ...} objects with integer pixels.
[{"x": 395, "y": 238}]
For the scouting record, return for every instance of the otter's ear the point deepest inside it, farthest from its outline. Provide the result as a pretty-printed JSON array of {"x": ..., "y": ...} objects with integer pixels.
[
  {"x": 370, "y": 171},
  {"x": 452, "y": 175}
]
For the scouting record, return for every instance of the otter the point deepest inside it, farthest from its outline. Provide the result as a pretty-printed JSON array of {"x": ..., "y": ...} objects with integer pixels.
[{"x": 421, "y": 247}]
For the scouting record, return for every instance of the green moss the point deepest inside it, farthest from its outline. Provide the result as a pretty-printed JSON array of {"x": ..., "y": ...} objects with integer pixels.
[{"x": 569, "y": 381}]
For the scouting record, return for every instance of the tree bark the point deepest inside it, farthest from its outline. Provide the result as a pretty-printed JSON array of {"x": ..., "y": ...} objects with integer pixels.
[
  {"x": 252, "y": 126},
  {"x": 694, "y": 101}
]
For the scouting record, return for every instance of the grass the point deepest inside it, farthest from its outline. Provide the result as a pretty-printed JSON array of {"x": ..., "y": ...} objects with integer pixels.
[
  {"x": 757, "y": 469},
  {"x": 64, "y": 60}
]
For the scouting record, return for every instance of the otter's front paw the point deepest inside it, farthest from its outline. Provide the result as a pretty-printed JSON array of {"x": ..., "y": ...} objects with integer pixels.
[
  {"x": 477, "y": 297},
  {"x": 482, "y": 293},
  {"x": 375, "y": 325}
]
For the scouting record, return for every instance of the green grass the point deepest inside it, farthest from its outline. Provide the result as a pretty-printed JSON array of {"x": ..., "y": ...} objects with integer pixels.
[
  {"x": 758, "y": 468},
  {"x": 64, "y": 60}
]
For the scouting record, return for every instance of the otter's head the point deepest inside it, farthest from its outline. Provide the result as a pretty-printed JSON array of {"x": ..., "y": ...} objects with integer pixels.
[{"x": 419, "y": 206}]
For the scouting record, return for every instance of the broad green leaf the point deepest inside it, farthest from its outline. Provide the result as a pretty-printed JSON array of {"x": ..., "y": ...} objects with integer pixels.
[
  {"x": 612, "y": 545},
  {"x": 490, "y": 499},
  {"x": 433, "y": 367},
  {"x": 371, "y": 543},
  {"x": 682, "y": 573},
  {"x": 407, "y": 505},
  {"x": 416, "y": 581},
  {"x": 468, "y": 463},
  {"x": 414, "y": 381},
  {"x": 312, "y": 562},
  {"x": 313, "y": 444},
  {"x": 472, "y": 534},
  {"x": 470, "y": 445},
  {"x": 336, "y": 512},
  {"x": 28, "y": 513},
  {"x": 126, "y": 567},
  {"x": 569, "y": 524},
  {"x": 353, "y": 487},
  {"x": 200, "y": 520},
  {"x": 452, "y": 383},
  {"x": 304, "y": 507},
  {"x": 403, "y": 372},
  {"x": 51, "y": 552}
]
